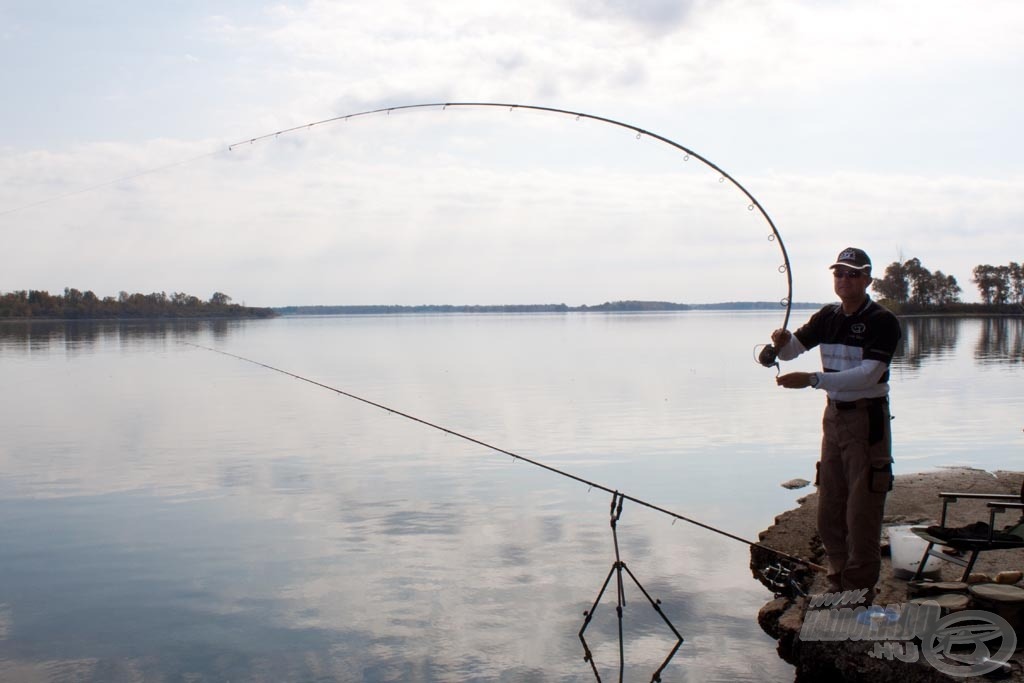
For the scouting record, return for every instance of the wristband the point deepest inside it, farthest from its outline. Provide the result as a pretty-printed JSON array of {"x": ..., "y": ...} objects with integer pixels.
[{"x": 814, "y": 379}]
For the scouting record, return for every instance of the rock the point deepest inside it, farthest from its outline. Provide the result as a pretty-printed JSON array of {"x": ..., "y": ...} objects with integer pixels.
[
  {"x": 949, "y": 602},
  {"x": 768, "y": 616},
  {"x": 998, "y": 593},
  {"x": 793, "y": 618},
  {"x": 921, "y": 588},
  {"x": 1003, "y": 600},
  {"x": 978, "y": 577},
  {"x": 1009, "y": 577},
  {"x": 795, "y": 484}
]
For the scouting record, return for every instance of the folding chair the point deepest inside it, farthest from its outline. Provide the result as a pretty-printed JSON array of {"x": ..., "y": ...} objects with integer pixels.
[{"x": 973, "y": 538}]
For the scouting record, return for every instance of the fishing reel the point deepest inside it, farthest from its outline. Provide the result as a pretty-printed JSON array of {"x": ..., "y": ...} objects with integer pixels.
[
  {"x": 784, "y": 578},
  {"x": 768, "y": 356}
]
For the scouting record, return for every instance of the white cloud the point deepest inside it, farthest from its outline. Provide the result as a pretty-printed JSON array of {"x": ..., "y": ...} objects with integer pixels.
[
  {"x": 883, "y": 123},
  {"x": 367, "y": 53}
]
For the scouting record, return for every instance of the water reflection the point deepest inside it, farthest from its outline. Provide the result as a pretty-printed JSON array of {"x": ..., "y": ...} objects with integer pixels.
[
  {"x": 933, "y": 339},
  {"x": 30, "y": 336},
  {"x": 1001, "y": 341},
  {"x": 926, "y": 338}
]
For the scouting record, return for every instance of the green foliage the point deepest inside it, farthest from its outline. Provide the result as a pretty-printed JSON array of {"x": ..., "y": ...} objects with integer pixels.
[
  {"x": 1000, "y": 284},
  {"x": 74, "y": 305},
  {"x": 909, "y": 287},
  {"x": 894, "y": 286},
  {"x": 911, "y": 283}
]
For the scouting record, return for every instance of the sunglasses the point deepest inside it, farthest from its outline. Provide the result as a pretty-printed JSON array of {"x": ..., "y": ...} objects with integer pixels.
[{"x": 840, "y": 274}]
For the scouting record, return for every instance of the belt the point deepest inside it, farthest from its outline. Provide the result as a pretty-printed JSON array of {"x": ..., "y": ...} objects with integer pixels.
[{"x": 859, "y": 403}]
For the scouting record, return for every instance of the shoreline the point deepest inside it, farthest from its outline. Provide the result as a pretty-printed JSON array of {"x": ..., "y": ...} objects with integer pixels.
[
  {"x": 198, "y": 318},
  {"x": 913, "y": 500}
]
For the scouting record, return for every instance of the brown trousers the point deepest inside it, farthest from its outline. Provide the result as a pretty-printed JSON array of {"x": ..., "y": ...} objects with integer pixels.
[{"x": 854, "y": 476}]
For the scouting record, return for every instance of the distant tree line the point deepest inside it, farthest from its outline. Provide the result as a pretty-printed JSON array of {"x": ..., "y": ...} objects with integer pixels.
[
  {"x": 669, "y": 306},
  {"x": 615, "y": 306},
  {"x": 76, "y": 305},
  {"x": 911, "y": 284},
  {"x": 383, "y": 309}
]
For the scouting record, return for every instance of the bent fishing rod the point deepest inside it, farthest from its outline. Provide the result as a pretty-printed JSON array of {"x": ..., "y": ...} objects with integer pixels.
[
  {"x": 519, "y": 457},
  {"x": 767, "y": 356}
]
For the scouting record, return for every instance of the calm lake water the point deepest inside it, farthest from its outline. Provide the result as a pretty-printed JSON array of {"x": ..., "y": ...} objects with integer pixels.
[{"x": 172, "y": 514}]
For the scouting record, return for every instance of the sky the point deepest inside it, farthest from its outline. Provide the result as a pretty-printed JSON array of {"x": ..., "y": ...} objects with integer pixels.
[{"x": 889, "y": 125}]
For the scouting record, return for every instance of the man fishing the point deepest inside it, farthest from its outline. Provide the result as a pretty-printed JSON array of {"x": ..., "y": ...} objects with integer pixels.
[{"x": 857, "y": 337}]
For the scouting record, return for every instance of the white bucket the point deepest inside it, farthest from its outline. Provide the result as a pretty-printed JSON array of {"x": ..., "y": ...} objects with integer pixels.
[{"x": 906, "y": 549}]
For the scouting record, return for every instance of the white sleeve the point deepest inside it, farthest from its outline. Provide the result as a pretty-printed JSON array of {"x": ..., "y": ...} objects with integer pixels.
[
  {"x": 863, "y": 376},
  {"x": 792, "y": 349}
]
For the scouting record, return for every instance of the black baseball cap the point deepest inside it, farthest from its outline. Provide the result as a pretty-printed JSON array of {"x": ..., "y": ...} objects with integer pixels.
[{"x": 852, "y": 257}]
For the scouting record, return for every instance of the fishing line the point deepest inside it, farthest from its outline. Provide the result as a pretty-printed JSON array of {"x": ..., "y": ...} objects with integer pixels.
[
  {"x": 517, "y": 456},
  {"x": 108, "y": 183}
]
